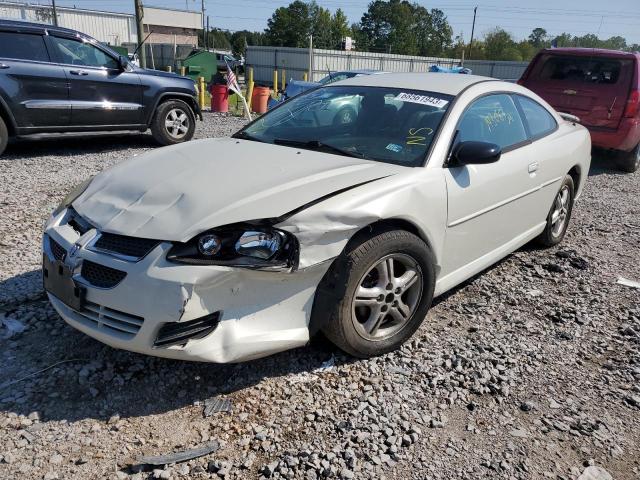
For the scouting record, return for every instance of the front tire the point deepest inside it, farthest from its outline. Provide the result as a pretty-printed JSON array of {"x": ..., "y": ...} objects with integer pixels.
[
  {"x": 630, "y": 161},
  {"x": 4, "y": 136},
  {"x": 381, "y": 289},
  {"x": 174, "y": 122},
  {"x": 559, "y": 215}
]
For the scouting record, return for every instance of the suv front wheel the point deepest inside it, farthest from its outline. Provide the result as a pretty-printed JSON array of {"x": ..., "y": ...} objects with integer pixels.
[
  {"x": 4, "y": 135},
  {"x": 173, "y": 122}
]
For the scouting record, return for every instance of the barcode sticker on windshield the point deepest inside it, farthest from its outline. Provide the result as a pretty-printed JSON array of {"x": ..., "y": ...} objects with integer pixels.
[{"x": 422, "y": 99}]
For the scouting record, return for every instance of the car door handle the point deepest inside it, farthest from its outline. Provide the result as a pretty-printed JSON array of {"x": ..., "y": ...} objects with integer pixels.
[
  {"x": 533, "y": 167},
  {"x": 82, "y": 73},
  {"x": 4, "y": 66}
]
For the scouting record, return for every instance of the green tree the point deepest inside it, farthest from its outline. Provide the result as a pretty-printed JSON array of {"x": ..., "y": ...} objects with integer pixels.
[
  {"x": 321, "y": 29},
  {"x": 499, "y": 45},
  {"x": 339, "y": 28},
  {"x": 538, "y": 38},
  {"x": 399, "y": 26},
  {"x": 241, "y": 39},
  {"x": 290, "y": 26}
]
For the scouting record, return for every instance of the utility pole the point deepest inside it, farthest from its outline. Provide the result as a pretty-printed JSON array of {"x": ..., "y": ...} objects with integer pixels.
[
  {"x": 204, "y": 32},
  {"x": 206, "y": 43},
  {"x": 55, "y": 13},
  {"x": 140, "y": 24},
  {"x": 473, "y": 27}
]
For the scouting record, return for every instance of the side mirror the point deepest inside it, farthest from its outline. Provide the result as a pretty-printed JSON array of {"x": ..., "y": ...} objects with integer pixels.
[
  {"x": 123, "y": 62},
  {"x": 470, "y": 153}
]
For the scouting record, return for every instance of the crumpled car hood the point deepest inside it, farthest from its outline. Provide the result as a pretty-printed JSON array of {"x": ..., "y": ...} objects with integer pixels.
[{"x": 175, "y": 193}]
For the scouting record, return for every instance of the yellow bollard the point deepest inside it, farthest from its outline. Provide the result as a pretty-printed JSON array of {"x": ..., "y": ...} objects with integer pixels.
[
  {"x": 284, "y": 79},
  {"x": 169, "y": 68},
  {"x": 201, "y": 88},
  {"x": 305, "y": 76},
  {"x": 275, "y": 81},
  {"x": 250, "y": 75},
  {"x": 183, "y": 71},
  {"x": 250, "y": 92}
]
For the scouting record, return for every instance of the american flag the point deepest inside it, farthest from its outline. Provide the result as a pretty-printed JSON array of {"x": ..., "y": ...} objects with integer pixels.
[{"x": 232, "y": 81}]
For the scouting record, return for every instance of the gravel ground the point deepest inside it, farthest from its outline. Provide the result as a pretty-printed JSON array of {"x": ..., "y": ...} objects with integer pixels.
[{"x": 530, "y": 370}]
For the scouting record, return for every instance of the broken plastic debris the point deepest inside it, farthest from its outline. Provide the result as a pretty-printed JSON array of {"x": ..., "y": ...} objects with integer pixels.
[
  {"x": 215, "y": 405},
  {"x": 10, "y": 326},
  {"x": 628, "y": 283},
  {"x": 178, "y": 457},
  {"x": 326, "y": 366}
]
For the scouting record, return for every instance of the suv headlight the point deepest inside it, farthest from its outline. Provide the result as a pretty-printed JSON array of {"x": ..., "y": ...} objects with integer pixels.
[{"x": 247, "y": 246}]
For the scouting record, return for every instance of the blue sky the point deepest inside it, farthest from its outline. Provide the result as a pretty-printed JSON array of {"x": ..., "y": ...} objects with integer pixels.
[{"x": 578, "y": 17}]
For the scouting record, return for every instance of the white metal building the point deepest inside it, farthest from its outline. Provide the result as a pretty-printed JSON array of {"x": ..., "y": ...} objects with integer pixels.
[{"x": 166, "y": 25}]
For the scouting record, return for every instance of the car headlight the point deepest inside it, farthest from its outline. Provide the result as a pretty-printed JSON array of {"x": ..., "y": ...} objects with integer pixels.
[
  {"x": 72, "y": 195},
  {"x": 245, "y": 246}
]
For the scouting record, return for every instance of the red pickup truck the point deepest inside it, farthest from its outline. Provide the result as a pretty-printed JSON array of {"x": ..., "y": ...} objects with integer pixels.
[{"x": 601, "y": 87}]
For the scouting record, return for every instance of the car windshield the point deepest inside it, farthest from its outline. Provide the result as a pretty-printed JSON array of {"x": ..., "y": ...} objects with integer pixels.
[{"x": 389, "y": 125}]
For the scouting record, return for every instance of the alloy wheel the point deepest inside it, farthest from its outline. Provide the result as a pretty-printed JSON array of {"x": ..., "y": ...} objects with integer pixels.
[
  {"x": 177, "y": 123},
  {"x": 387, "y": 296},
  {"x": 560, "y": 211}
]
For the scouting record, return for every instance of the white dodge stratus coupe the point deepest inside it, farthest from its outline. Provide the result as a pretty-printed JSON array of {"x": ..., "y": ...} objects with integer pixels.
[{"x": 229, "y": 249}]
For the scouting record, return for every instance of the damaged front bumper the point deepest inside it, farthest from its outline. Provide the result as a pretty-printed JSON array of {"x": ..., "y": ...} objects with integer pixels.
[{"x": 235, "y": 314}]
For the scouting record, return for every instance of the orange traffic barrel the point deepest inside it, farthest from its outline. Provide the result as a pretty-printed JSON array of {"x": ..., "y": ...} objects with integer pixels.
[
  {"x": 259, "y": 99},
  {"x": 219, "y": 98}
]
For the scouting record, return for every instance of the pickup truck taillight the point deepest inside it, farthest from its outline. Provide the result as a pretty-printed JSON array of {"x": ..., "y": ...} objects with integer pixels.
[{"x": 633, "y": 104}]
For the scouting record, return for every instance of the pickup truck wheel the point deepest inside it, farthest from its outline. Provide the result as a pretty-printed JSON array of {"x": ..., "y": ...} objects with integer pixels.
[
  {"x": 559, "y": 215},
  {"x": 173, "y": 122},
  {"x": 630, "y": 161},
  {"x": 377, "y": 293},
  {"x": 4, "y": 136}
]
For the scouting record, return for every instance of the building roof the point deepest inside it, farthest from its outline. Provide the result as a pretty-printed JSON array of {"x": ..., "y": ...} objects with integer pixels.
[{"x": 447, "y": 83}]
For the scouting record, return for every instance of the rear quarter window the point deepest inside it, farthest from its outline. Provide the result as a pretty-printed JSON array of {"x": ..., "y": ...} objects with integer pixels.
[
  {"x": 538, "y": 118},
  {"x": 23, "y": 46},
  {"x": 570, "y": 68}
]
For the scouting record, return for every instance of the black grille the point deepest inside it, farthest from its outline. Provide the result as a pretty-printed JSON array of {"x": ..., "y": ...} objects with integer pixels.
[
  {"x": 57, "y": 250},
  {"x": 129, "y": 246},
  {"x": 179, "y": 333},
  {"x": 101, "y": 276}
]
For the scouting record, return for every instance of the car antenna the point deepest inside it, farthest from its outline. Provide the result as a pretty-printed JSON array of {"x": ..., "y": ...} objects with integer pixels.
[
  {"x": 329, "y": 71},
  {"x": 141, "y": 43}
]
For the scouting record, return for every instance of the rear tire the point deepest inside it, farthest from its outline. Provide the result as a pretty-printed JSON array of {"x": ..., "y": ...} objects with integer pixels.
[
  {"x": 4, "y": 136},
  {"x": 173, "y": 122},
  {"x": 630, "y": 161},
  {"x": 377, "y": 293},
  {"x": 559, "y": 215}
]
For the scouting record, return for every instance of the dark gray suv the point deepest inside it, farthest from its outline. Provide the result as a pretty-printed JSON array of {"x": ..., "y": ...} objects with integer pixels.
[{"x": 58, "y": 80}]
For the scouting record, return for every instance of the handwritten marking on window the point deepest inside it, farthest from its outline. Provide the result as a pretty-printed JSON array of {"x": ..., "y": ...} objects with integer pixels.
[
  {"x": 497, "y": 117},
  {"x": 418, "y": 136}
]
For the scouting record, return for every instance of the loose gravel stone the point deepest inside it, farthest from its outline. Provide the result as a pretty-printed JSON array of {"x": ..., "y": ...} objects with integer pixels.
[{"x": 529, "y": 370}]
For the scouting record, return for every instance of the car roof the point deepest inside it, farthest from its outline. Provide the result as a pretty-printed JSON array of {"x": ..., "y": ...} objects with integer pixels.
[
  {"x": 25, "y": 25},
  {"x": 592, "y": 52},
  {"x": 447, "y": 83}
]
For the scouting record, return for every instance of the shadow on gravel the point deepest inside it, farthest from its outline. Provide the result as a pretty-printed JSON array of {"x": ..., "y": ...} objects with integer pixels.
[
  {"x": 101, "y": 381},
  {"x": 603, "y": 162},
  {"x": 77, "y": 144}
]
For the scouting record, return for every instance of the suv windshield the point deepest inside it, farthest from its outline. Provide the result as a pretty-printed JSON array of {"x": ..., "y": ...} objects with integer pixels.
[{"x": 383, "y": 124}]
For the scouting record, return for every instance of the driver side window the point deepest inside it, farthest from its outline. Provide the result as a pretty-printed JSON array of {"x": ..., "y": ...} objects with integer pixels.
[
  {"x": 493, "y": 119},
  {"x": 75, "y": 52}
]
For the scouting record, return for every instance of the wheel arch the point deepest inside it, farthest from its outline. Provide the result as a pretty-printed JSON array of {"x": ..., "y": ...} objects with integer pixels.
[
  {"x": 576, "y": 175},
  {"x": 322, "y": 295},
  {"x": 165, "y": 97},
  {"x": 7, "y": 116}
]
